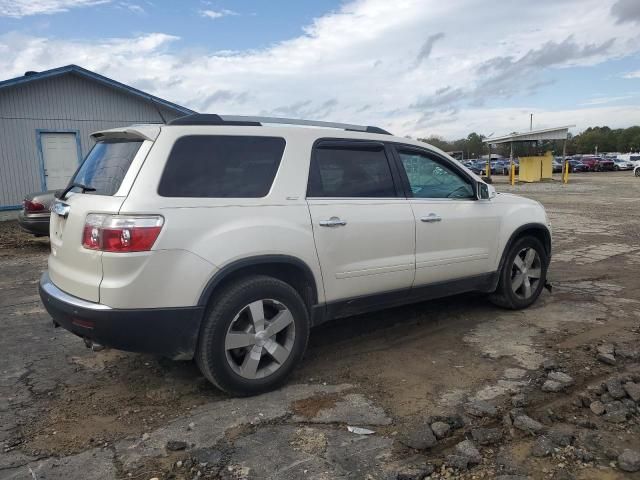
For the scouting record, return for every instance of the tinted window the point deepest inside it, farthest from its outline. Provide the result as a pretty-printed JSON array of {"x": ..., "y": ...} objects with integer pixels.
[
  {"x": 106, "y": 165},
  {"x": 350, "y": 172},
  {"x": 431, "y": 179},
  {"x": 220, "y": 166}
]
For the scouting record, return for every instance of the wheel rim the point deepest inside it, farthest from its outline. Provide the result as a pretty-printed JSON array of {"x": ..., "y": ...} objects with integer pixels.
[
  {"x": 260, "y": 339},
  {"x": 526, "y": 272}
]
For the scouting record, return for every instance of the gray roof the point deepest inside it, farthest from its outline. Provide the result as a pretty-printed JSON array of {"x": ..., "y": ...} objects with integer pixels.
[{"x": 83, "y": 72}]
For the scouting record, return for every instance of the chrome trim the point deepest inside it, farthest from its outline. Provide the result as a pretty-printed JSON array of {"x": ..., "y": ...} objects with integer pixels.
[
  {"x": 333, "y": 222},
  {"x": 431, "y": 218},
  {"x": 47, "y": 285}
]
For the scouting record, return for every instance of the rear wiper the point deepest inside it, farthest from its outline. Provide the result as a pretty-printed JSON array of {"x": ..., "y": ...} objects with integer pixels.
[{"x": 81, "y": 186}]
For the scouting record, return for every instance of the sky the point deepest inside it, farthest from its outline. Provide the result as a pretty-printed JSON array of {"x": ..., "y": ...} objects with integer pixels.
[{"x": 414, "y": 67}]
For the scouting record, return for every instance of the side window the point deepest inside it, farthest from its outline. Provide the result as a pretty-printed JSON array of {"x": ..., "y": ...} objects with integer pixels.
[
  {"x": 350, "y": 171},
  {"x": 431, "y": 179},
  {"x": 221, "y": 166}
]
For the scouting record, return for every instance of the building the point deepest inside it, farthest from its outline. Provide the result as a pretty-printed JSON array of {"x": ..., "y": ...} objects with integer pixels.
[{"x": 46, "y": 119}]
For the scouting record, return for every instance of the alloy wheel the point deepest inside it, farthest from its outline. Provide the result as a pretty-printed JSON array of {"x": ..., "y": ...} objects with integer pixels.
[
  {"x": 260, "y": 339},
  {"x": 525, "y": 273}
]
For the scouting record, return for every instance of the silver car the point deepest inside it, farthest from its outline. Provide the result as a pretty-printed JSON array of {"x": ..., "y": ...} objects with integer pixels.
[{"x": 34, "y": 216}]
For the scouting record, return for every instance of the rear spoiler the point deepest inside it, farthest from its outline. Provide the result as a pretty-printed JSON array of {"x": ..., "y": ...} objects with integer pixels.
[{"x": 134, "y": 132}]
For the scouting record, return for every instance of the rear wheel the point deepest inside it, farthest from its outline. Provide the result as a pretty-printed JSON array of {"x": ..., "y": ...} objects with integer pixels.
[
  {"x": 523, "y": 274},
  {"x": 254, "y": 335}
]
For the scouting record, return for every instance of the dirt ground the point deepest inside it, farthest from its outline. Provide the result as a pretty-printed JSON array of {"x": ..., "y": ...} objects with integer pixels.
[{"x": 424, "y": 378}]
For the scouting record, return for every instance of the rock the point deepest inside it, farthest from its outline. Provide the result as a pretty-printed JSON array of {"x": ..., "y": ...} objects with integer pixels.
[
  {"x": 512, "y": 477},
  {"x": 561, "y": 377},
  {"x": 519, "y": 400},
  {"x": 614, "y": 387},
  {"x": 486, "y": 436},
  {"x": 458, "y": 461},
  {"x": 550, "y": 364},
  {"x": 528, "y": 424},
  {"x": 145, "y": 437},
  {"x": 628, "y": 353},
  {"x": 553, "y": 386},
  {"x": 629, "y": 461},
  {"x": 176, "y": 445},
  {"x": 586, "y": 398},
  {"x": 420, "y": 437},
  {"x": 606, "y": 398},
  {"x": 633, "y": 390},
  {"x": 561, "y": 437},
  {"x": 480, "y": 408},
  {"x": 607, "y": 358},
  {"x": 414, "y": 472},
  {"x": 616, "y": 416},
  {"x": 605, "y": 348},
  {"x": 467, "y": 449},
  {"x": 597, "y": 389},
  {"x": 584, "y": 455},
  {"x": 597, "y": 407},
  {"x": 543, "y": 447},
  {"x": 440, "y": 429}
]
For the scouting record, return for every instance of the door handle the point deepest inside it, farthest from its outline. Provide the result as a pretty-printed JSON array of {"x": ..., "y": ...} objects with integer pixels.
[
  {"x": 333, "y": 222},
  {"x": 432, "y": 218}
]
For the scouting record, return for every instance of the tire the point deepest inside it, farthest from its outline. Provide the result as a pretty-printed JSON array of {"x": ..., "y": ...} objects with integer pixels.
[
  {"x": 505, "y": 296},
  {"x": 230, "y": 321},
  {"x": 637, "y": 172}
]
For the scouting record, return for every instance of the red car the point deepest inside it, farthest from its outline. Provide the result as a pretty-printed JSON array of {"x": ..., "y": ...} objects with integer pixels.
[{"x": 591, "y": 163}]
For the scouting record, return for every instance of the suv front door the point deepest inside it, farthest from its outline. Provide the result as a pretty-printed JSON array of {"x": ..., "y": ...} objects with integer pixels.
[
  {"x": 363, "y": 227},
  {"x": 455, "y": 232}
]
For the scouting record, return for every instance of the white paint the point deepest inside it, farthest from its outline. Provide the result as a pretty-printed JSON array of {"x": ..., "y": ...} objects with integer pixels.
[{"x": 60, "y": 155}]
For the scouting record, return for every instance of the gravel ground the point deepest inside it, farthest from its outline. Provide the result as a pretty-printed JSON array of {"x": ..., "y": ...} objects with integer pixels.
[{"x": 453, "y": 388}]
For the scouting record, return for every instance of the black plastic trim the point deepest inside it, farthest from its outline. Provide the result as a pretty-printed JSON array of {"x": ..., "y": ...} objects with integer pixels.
[
  {"x": 221, "y": 274},
  {"x": 209, "y": 119},
  {"x": 38, "y": 226},
  {"x": 170, "y": 332},
  {"x": 395, "y": 298}
]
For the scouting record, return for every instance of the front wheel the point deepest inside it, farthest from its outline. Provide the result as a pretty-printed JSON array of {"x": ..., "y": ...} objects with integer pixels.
[
  {"x": 253, "y": 336},
  {"x": 637, "y": 172},
  {"x": 523, "y": 275}
]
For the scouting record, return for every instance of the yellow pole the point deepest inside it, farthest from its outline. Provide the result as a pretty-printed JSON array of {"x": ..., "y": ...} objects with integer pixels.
[
  {"x": 513, "y": 173},
  {"x": 565, "y": 173}
]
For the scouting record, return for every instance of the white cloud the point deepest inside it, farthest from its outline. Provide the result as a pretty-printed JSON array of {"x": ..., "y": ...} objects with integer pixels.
[
  {"x": 416, "y": 67},
  {"x": 630, "y": 75},
  {"x": 213, "y": 14},
  {"x": 606, "y": 100},
  {"x": 24, "y": 8}
]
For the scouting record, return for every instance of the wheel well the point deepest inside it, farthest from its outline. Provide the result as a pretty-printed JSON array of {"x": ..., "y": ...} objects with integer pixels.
[
  {"x": 535, "y": 230},
  {"x": 299, "y": 277}
]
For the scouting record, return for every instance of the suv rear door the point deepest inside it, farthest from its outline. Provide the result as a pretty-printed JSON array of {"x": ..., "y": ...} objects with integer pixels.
[
  {"x": 363, "y": 228},
  {"x": 109, "y": 168}
]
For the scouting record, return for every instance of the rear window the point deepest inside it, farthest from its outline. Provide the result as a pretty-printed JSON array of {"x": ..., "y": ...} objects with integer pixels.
[
  {"x": 221, "y": 166},
  {"x": 106, "y": 165}
]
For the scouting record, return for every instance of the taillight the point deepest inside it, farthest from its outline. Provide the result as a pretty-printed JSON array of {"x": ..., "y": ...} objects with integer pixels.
[
  {"x": 121, "y": 233},
  {"x": 31, "y": 206}
]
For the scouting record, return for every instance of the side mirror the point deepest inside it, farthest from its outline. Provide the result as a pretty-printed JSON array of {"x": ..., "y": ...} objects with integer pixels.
[{"x": 486, "y": 192}]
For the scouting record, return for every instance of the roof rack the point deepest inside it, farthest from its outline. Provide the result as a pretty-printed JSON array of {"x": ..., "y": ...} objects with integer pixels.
[{"x": 247, "y": 121}]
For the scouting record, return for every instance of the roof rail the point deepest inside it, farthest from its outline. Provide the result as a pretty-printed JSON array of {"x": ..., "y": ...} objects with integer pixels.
[{"x": 247, "y": 121}]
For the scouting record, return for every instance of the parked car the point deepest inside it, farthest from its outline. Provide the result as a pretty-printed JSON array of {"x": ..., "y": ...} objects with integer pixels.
[
  {"x": 506, "y": 167},
  {"x": 206, "y": 238},
  {"x": 622, "y": 164},
  {"x": 591, "y": 162},
  {"x": 577, "y": 166},
  {"x": 558, "y": 165},
  {"x": 34, "y": 216},
  {"x": 605, "y": 164}
]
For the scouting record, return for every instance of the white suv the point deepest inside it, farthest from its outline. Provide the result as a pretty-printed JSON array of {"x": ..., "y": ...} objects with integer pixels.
[{"x": 227, "y": 238}]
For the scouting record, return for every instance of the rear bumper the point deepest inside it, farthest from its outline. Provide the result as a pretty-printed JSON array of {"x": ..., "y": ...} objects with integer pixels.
[
  {"x": 170, "y": 332},
  {"x": 35, "y": 225}
]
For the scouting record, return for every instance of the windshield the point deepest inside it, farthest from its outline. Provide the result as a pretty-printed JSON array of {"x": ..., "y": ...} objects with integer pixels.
[{"x": 106, "y": 165}]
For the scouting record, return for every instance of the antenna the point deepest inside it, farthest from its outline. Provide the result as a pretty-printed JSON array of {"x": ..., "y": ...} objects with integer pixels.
[{"x": 153, "y": 102}]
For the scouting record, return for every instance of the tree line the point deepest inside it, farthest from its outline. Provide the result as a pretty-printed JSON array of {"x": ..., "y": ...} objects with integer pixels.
[{"x": 602, "y": 139}]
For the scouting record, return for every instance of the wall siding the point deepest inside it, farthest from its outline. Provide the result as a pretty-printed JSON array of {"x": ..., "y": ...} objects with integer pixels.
[{"x": 65, "y": 103}]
